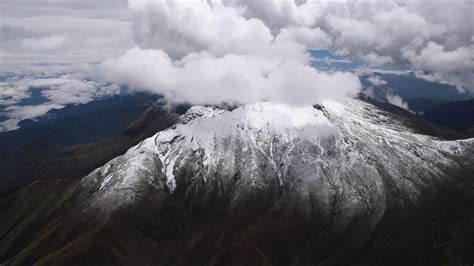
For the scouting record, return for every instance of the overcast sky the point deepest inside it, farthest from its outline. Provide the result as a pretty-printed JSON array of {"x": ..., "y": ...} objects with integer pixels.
[{"x": 213, "y": 51}]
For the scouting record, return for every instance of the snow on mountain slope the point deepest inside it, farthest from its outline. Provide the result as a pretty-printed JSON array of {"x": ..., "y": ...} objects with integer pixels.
[{"x": 351, "y": 155}]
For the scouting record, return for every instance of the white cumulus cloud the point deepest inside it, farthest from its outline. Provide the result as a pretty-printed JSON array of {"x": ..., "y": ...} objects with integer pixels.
[
  {"x": 203, "y": 78},
  {"x": 210, "y": 52}
]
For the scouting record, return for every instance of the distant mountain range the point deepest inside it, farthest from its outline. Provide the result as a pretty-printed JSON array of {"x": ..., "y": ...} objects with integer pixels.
[
  {"x": 79, "y": 124},
  {"x": 456, "y": 115},
  {"x": 438, "y": 103},
  {"x": 408, "y": 86}
]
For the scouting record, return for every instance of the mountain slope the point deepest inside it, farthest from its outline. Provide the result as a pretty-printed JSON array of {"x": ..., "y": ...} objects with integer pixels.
[
  {"x": 262, "y": 141},
  {"x": 41, "y": 159},
  {"x": 262, "y": 184},
  {"x": 457, "y": 115},
  {"x": 81, "y": 124}
]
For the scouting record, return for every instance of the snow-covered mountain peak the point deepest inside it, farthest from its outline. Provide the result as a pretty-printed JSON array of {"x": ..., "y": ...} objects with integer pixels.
[
  {"x": 256, "y": 119},
  {"x": 199, "y": 111},
  {"x": 352, "y": 149}
]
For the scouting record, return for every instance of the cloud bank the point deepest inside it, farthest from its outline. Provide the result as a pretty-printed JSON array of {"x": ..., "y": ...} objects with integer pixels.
[
  {"x": 242, "y": 51},
  {"x": 56, "y": 92},
  {"x": 47, "y": 48},
  {"x": 202, "y": 78},
  {"x": 211, "y": 52}
]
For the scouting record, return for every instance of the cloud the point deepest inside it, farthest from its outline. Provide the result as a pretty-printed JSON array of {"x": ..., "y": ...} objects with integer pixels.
[
  {"x": 12, "y": 94},
  {"x": 54, "y": 42},
  {"x": 227, "y": 50},
  {"x": 212, "y": 52},
  {"x": 47, "y": 47},
  {"x": 454, "y": 67},
  {"x": 179, "y": 28},
  {"x": 432, "y": 37},
  {"x": 43, "y": 36},
  {"x": 241, "y": 51},
  {"x": 57, "y": 92},
  {"x": 314, "y": 39},
  {"x": 78, "y": 92},
  {"x": 383, "y": 32},
  {"x": 376, "y": 80},
  {"x": 61, "y": 90},
  {"x": 115, "y": 9},
  {"x": 397, "y": 100},
  {"x": 375, "y": 59},
  {"x": 32, "y": 28},
  {"x": 18, "y": 113},
  {"x": 203, "y": 78}
]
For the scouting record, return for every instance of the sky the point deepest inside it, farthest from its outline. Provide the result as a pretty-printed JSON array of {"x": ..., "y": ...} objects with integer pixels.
[{"x": 209, "y": 52}]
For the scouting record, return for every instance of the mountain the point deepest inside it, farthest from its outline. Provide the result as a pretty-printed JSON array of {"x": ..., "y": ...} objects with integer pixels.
[
  {"x": 437, "y": 103},
  {"x": 264, "y": 184},
  {"x": 408, "y": 86},
  {"x": 40, "y": 158},
  {"x": 80, "y": 124},
  {"x": 72, "y": 141},
  {"x": 457, "y": 115}
]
